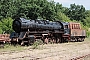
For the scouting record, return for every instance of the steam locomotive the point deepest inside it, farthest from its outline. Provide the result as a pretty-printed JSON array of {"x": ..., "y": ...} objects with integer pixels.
[{"x": 29, "y": 31}]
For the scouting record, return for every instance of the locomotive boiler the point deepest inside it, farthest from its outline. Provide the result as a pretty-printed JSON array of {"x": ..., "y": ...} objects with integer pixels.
[{"x": 21, "y": 24}]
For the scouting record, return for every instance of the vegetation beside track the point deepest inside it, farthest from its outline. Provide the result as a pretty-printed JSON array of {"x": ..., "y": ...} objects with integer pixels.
[
  {"x": 36, "y": 45},
  {"x": 8, "y": 47}
]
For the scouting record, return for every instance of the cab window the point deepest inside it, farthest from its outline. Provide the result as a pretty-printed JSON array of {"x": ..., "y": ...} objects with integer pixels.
[{"x": 66, "y": 27}]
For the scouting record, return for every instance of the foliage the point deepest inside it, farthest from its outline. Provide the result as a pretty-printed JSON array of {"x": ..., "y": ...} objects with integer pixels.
[
  {"x": 34, "y": 9},
  {"x": 1, "y": 30},
  {"x": 86, "y": 21},
  {"x": 6, "y": 25},
  {"x": 37, "y": 43},
  {"x": 11, "y": 48},
  {"x": 28, "y": 8},
  {"x": 88, "y": 33},
  {"x": 75, "y": 12},
  {"x": 63, "y": 17}
]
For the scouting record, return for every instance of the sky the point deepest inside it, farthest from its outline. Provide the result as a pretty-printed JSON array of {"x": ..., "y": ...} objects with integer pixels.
[{"x": 66, "y": 3}]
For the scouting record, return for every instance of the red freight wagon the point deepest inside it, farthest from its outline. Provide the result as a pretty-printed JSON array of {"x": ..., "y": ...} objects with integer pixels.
[
  {"x": 76, "y": 33},
  {"x": 4, "y": 38}
]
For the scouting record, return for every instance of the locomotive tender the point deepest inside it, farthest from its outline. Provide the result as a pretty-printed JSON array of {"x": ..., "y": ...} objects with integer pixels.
[{"x": 30, "y": 31}]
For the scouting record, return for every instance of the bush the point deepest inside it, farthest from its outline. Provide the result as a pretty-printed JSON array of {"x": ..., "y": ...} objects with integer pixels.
[
  {"x": 37, "y": 43},
  {"x": 87, "y": 33},
  {"x": 6, "y": 25}
]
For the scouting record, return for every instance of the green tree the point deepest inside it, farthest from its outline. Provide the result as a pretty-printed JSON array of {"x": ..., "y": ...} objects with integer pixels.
[
  {"x": 75, "y": 12},
  {"x": 32, "y": 9},
  {"x": 61, "y": 16},
  {"x": 86, "y": 21}
]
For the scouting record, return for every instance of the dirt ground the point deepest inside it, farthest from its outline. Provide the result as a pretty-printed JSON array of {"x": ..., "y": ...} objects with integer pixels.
[{"x": 64, "y": 51}]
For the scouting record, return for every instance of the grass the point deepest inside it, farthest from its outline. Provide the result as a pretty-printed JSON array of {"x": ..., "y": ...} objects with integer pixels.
[
  {"x": 8, "y": 47},
  {"x": 37, "y": 44},
  {"x": 87, "y": 39}
]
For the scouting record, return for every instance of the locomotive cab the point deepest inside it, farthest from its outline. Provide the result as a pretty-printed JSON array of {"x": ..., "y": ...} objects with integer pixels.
[
  {"x": 66, "y": 29},
  {"x": 66, "y": 34}
]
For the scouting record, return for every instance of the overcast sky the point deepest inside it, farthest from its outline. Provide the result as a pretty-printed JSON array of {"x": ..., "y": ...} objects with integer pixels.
[{"x": 66, "y": 3}]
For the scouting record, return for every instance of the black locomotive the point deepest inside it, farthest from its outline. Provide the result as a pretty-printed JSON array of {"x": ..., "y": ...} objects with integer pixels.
[{"x": 29, "y": 31}]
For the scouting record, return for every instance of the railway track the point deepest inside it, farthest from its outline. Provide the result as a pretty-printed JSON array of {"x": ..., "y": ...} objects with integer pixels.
[{"x": 81, "y": 57}]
